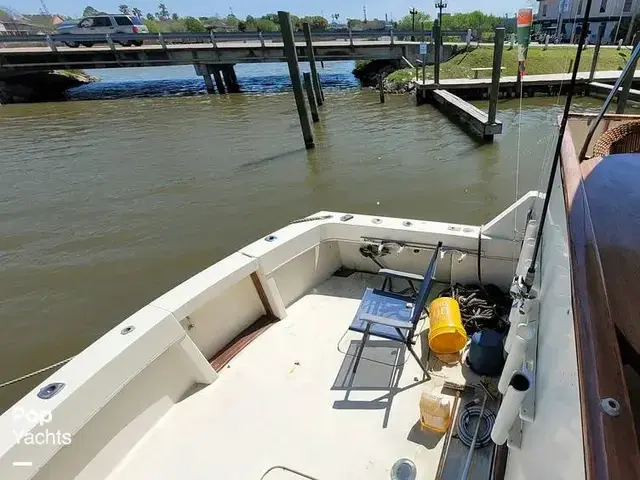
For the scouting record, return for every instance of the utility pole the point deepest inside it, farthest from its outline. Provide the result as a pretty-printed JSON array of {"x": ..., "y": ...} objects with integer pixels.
[
  {"x": 364, "y": 10},
  {"x": 413, "y": 12}
]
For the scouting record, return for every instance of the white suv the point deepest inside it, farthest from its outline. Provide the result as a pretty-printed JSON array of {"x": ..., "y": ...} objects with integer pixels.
[{"x": 102, "y": 24}]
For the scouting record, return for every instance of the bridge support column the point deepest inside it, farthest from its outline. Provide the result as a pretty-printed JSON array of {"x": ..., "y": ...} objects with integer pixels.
[
  {"x": 203, "y": 70},
  {"x": 230, "y": 78},
  {"x": 215, "y": 69}
]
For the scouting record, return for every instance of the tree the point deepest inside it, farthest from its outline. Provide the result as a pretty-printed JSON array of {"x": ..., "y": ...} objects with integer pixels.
[
  {"x": 316, "y": 22},
  {"x": 137, "y": 12},
  {"x": 263, "y": 25},
  {"x": 194, "y": 25},
  {"x": 175, "y": 17},
  {"x": 163, "y": 12},
  {"x": 150, "y": 17},
  {"x": 88, "y": 11},
  {"x": 124, "y": 9},
  {"x": 406, "y": 23},
  {"x": 231, "y": 21}
]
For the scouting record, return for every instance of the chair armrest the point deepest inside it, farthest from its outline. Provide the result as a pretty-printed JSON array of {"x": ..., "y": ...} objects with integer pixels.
[
  {"x": 398, "y": 274},
  {"x": 389, "y": 322}
]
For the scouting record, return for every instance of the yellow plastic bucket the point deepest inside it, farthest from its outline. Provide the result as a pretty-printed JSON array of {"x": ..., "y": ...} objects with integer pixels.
[{"x": 446, "y": 333}]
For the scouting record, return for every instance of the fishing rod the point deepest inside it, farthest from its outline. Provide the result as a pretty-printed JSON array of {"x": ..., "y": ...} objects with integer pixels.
[{"x": 526, "y": 283}]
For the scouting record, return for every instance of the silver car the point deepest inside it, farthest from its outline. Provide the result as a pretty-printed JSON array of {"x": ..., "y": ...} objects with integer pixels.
[{"x": 102, "y": 24}]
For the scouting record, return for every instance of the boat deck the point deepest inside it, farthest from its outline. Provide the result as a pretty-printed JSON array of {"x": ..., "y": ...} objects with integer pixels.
[{"x": 289, "y": 399}]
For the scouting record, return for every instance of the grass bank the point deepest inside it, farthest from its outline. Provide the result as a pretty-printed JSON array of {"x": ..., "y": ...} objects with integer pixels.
[{"x": 539, "y": 61}]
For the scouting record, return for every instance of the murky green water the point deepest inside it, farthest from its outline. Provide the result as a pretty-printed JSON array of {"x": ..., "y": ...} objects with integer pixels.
[{"x": 104, "y": 205}]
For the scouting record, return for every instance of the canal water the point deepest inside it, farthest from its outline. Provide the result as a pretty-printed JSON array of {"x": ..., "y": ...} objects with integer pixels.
[{"x": 106, "y": 204}]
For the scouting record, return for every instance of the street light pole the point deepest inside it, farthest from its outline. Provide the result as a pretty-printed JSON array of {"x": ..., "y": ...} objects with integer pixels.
[{"x": 440, "y": 4}]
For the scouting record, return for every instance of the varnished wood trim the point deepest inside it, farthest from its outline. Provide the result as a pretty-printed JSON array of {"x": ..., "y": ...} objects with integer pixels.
[
  {"x": 241, "y": 341},
  {"x": 610, "y": 449},
  {"x": 261, "y": 293},
  {"x": 499, "y": 462},
  {"x": 608, "y": 116}
]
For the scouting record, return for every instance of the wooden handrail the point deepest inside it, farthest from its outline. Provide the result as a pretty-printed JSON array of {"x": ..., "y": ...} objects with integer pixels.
[{"x": 610, "y": 442}]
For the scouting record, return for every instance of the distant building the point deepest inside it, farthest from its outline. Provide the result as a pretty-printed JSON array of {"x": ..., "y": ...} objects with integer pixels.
[
  {"x": 45, "y": 21},
  {"x": 17, "y": 26},
  {"x": 562, "y": 18}
]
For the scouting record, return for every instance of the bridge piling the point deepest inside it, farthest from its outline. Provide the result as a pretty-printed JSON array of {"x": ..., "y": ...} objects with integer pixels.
[
  {"x": 205, "y": 72},
  {"x": 288, "y": 40},
  {"x": 215, "y": 69},
  {"x": 230, "y": 78},
  {"x": 311, "y": 56},
  {"x": 234, "y": 79}
]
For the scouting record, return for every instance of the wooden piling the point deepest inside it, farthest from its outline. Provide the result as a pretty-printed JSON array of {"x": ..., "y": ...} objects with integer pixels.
[
  {"x": 311, "y": 56},
  {"x": 321, "y": 89},
  {"x": 381, "y": 87},
  {"x": 294, "y": 71},
  {"x": 596, "y": 51},
  {"x": 311, "y": 96},
  {"x": 623, "y": 96},
  {"x": 438, "y": 43},
  {"x": 495, "y": 76}
]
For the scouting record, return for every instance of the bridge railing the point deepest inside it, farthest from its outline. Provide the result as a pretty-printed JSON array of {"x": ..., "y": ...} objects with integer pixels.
[{"x": 55, "y": 40}]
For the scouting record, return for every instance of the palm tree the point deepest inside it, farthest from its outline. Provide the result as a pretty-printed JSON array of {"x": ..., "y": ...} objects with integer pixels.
[
  {"x": 137, "y": 12},
  {"x": 124, "y": 9}
]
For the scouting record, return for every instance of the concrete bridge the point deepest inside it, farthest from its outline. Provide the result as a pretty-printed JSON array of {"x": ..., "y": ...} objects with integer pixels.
[
  {"x": 211, "y": 54},
  {"x": 38, "y": 52}
]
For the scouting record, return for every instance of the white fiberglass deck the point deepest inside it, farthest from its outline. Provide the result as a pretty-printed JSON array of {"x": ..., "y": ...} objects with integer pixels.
[{"x": 289, "y": 399}]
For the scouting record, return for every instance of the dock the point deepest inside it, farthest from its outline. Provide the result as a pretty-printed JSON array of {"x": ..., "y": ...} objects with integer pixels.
[
  {"x": 605, "y": 89},
  {"x": 469, "y": 115},
  {"x": 531, "y": 84}
]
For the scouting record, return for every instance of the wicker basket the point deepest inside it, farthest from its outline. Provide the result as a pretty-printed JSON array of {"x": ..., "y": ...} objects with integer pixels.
[{"x": 624, "y": 138}]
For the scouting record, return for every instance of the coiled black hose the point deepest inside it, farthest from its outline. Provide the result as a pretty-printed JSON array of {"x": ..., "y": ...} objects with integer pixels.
[{"x": 465, "y": 432}]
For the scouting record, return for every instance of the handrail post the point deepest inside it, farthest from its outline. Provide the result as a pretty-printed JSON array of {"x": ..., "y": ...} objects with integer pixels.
[
  {"x": 391, "y": 36},
  {"x": 261, "y": 39},
  {"x": 112, "y": 45},
  {"x": 51, "y": 44},
  {"x": 212, "y": 36},
  {"x": 162, "y": 41},
  {"x": 350, "y": 38}
]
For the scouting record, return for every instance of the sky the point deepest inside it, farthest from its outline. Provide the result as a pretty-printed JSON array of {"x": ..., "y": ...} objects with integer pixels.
[{"x": 242, "y": 8}]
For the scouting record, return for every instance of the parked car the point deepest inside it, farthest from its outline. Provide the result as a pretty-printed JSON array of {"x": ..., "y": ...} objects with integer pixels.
[{"x": 102, "y": 24}]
